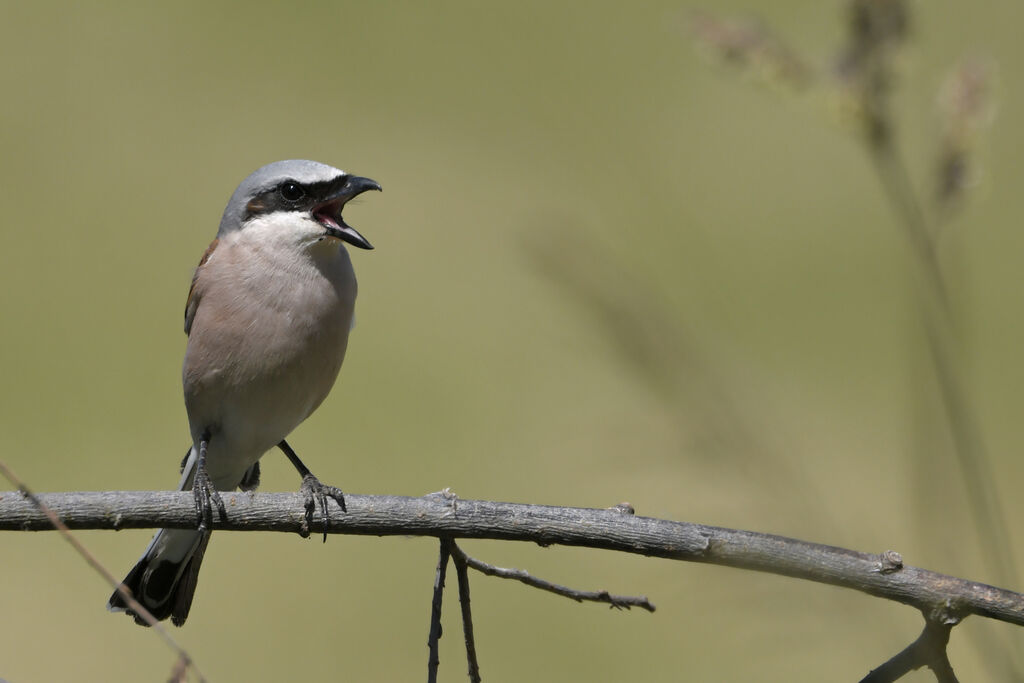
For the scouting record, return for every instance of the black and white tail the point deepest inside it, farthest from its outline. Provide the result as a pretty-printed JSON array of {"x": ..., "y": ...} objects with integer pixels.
[{"x": 164, "y": 579}]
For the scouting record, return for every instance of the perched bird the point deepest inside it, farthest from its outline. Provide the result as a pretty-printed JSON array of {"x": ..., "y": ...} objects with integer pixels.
[{"x": 267, "y": 318}]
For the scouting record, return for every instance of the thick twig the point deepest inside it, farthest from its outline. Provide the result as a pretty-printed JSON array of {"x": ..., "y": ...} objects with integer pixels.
[
  {"x": 546, "y": 525},
  {"x": 928, "y": 650},
  {"x": 616, "y": 601},
  {"x": 459, "y": 558},
  {"x": 184, "y": 663},
  {"x": 433, "y": 640}
]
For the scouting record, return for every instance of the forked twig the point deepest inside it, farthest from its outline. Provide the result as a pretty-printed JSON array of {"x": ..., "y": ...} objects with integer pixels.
[
  {"x": 450, "y": 549},
  {"x": 928, "y": 650}
]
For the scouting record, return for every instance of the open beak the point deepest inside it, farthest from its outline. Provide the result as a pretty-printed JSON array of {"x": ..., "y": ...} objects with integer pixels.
[{"x": 328, "y": 214}]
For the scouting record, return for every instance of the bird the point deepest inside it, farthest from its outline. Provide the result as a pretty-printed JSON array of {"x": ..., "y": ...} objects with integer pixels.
[{"x": 267, "y": 318}]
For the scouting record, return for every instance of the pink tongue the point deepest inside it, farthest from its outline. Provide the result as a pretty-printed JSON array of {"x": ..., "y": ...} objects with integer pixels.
[{"x": 327, "y": 216}]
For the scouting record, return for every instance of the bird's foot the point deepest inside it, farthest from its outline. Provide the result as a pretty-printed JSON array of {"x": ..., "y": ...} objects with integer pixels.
[
  {"x": 316, "y": 493},
  {"x": 206, "y": 496}
]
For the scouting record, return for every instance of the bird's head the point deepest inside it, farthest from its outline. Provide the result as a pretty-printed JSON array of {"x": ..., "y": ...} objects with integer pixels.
[{"x": 296, "y": 201}]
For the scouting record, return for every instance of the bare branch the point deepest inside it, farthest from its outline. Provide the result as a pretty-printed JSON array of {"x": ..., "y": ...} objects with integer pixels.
[{"x": 545, "y": 525}]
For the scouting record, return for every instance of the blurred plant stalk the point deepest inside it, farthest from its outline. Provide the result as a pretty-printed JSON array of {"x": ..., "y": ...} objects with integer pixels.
[{"x": 866, "y": 73}]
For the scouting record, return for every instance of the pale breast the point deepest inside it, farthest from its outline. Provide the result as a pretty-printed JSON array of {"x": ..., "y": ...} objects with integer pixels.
[{"x": 266, "y": 344}]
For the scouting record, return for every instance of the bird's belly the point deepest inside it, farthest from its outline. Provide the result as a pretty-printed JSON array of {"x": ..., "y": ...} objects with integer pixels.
[
  {"x": 251, "y": 390},
  {"x": 272, "y": 401}
]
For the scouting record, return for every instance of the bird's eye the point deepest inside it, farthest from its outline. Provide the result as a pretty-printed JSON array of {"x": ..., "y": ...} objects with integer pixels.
[{"x": 291, "y": 191}]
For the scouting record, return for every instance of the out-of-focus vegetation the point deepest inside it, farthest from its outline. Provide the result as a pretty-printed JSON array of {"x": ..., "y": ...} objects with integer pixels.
[{"x": 606, "y": 270}]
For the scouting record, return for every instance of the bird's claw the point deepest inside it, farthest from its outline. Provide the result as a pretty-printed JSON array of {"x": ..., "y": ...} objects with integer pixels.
[
  {"x": 206, "y": 496},
  {"x": 317, "y": 493}
]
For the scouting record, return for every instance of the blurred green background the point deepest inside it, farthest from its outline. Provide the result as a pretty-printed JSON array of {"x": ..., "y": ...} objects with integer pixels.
[{"x": 606, "y": 269}]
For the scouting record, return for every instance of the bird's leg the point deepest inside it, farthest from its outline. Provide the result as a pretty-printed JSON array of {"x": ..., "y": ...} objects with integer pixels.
[
  {"x": 313, "y": 490},
  {"x": 202, "y": 489},
  {"x": 251, "y": 478}
]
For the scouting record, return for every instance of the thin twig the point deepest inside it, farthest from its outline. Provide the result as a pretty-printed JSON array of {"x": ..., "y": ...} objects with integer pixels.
[
  {"x": 616, "y": 601},
  {"x": 928, "y": 650},
  {"x": 184, "y": 663},
  {"x": 434, "y": 659},
  {"x": 462, "y": 572}
]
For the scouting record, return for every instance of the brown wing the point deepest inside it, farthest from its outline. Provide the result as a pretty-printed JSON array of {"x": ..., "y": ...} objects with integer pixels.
[{"x": 192, "y": 303}]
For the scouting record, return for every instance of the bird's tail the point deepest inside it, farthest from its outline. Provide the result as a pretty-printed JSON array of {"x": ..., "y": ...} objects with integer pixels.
[{"x": 164, "y": 579}]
